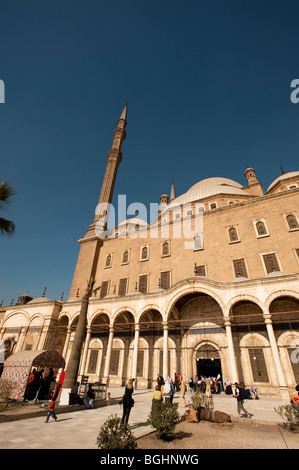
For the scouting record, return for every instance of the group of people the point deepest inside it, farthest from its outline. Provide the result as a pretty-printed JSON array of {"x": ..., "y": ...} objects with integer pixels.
[
  {"x": 164, "y": 391},
  {"x": 200, "y": 384},
  {"x": 38, "y": 386}
]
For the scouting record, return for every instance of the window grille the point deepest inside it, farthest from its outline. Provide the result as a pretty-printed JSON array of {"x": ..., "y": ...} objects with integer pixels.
[
  {"x": 261, "y": 228},
  {"x": 143, "y": 284},
  {"x": 93, "y": 359},
  {"x": 125, "y": 257},
  {"x": 165, "y": 279},
  {"x": 292, "y": 222},
  {"x": 271, "y": 263},
  {"x": 240, "y": 268},
  {"x": 200, "y": 270},
  {"x": 104, "y": 289},
  {"x": 144, "y": 253},
  {"x": 165, "y": 249},
  {"x": 233, "y": 234},
  {"x": 108, "y": 261},
  {"x": 122, "y": 288},
  {"x": 258, "y": 365}
]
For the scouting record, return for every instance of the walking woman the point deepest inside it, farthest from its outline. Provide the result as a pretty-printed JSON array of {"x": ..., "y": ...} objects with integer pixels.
[{"x": 128, "y": 401}]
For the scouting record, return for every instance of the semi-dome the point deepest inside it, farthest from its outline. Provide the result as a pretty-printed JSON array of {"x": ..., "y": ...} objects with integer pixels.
[
  {"x": 38, "y": 300},
  {"x": 283, "y": 177},
  {"x": 210, "y": 187}
]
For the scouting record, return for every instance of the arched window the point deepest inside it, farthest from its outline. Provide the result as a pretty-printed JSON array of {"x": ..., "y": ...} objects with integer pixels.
[
  {"x": 125, "y": 257},
  {"x": 108, "y": 261},
  {"x": 197, "y": 242},
  {"x": 233, "y": 234},
  {"x": 261, "y": 228},
  {"x": 165, "y": 249},
  {"x": 144, "y": 253},
  {"x": 292, "y": 222}
]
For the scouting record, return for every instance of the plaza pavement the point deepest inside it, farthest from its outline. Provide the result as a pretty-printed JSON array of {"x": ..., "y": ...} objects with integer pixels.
[{"x": 79, "y": 429}]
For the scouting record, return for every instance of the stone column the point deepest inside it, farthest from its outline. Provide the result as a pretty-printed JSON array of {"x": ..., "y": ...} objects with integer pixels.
[
  {"x": 165, "y": 350},
  {"x": 108, "y": 356},
  {"x": 231, "y": 352},
  {"x": 66, "y": 344},
  {"x": 21, "y": 339},
  {"x": 85, "y": 351},
  {"x": 135, "y": 355},
  {"x": 281, "y": 380},
  {"x": 2, "y": 331}
]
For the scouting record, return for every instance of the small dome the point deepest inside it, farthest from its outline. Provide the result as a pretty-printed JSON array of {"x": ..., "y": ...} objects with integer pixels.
[
  {"x": 209, "y": 187},
  {"x": 283, "y": 177}
]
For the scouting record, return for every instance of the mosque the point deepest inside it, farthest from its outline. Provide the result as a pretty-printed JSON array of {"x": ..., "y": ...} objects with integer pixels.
[{"x": 209, "y": 287}]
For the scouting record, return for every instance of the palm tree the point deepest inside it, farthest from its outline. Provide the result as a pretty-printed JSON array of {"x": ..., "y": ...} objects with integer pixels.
[
  {"x": 7, "y": 227},
  {"x": 71, "y": 372}
]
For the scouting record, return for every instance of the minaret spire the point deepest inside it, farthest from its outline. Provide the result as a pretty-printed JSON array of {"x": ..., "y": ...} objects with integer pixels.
[
  {"x": 172, "y": 193},
  {"x": 114, "y": 158}
]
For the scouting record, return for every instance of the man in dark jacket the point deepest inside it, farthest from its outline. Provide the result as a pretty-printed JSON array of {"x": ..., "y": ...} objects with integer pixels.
[{"x": 240, "y": 396}]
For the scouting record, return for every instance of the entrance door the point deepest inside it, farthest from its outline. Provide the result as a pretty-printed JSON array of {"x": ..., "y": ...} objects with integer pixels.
[
  {"x": 209, "y": 367},
  {"x": 208, "y": 363}
]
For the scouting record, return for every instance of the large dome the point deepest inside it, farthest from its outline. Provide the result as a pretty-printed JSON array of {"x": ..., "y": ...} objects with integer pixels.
[
  {"x": 283, "y": 177},
  {"x": 209, "y": 187}
]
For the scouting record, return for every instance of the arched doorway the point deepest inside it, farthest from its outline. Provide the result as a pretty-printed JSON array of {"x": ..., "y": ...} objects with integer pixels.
[{"x": 208, "y": 362}]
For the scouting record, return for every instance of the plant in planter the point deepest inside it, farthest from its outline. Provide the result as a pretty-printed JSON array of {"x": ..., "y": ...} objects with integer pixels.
[
  {"x": 290, "y": 415},
  {"x": 114, "y": 434},
  {"x": 165, "y": 420}
]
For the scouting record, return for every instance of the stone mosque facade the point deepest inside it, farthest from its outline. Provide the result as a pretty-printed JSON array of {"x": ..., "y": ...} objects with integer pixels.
[{"x": 221, "y": 298}]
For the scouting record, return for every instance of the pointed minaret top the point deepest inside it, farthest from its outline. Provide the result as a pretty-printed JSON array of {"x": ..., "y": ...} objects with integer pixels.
[
  {"x": 124, "y": 113},
  {"x": 172, "y": 193}
]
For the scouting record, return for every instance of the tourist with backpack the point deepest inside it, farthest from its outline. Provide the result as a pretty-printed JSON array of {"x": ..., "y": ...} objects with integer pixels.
[{"x": 240, "y": 395}]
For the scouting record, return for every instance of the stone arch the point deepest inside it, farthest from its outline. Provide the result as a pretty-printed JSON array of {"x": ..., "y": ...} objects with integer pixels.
[
  {"x": 277, "y": 294},
  {"x": 16, "y": 319},
  {"x": 36, "y": 321},
  {"x": 284, "y": 309},
  {"x": 122, "y": 310},
  {"x": 148, "y": 308},
  {"x": 247, "y": 312},
  {"x": 30, "y": 342},
  {"x": 288, "y": 344},
  {"x": 187, "y": 291},
  {"x": 244, "y": 298}
]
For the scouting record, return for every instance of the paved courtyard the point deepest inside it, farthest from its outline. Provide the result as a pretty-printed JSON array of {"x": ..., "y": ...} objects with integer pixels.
[{"x": 79, "y": 429}]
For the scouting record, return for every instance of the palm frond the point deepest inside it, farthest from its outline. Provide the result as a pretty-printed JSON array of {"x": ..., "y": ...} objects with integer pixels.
[
  {"x": 6, "y": 192},
  {"x": 7, "y": 227}
]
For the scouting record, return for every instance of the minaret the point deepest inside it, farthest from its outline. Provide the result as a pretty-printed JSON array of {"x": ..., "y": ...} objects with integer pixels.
[
  {"x": 91, "y": 243},
  {"x": 114, "y": 158},
  {"x": 254, "y": 187},
  {"x": 172, "y": 193}
]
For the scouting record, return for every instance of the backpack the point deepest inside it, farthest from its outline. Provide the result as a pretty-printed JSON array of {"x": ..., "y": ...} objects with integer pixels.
[{"x": 242, "y": 394}]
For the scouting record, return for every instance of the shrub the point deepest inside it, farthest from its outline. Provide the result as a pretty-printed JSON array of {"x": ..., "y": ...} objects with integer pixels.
[
  {"x": 114, "y": 434},
  {"x": 290, "y": 415},
  {"x": 6, "y": 388},
  {"x": 199, "y": 401},
  {"x": 165, "y": 420}
]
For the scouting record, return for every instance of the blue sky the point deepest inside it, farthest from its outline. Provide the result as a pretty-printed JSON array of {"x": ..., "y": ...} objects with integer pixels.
[{"x": 208, "y": 92}]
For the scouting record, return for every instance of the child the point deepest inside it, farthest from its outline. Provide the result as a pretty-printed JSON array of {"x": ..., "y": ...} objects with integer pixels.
[{"x": 51, "y": 411}]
